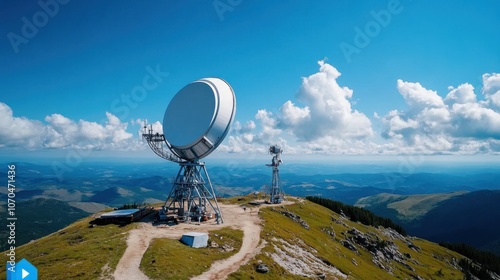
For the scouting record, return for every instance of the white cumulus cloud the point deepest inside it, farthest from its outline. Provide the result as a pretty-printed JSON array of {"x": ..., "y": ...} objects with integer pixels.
[
  {"x": 328, "y": 111},
  {"x": 321, "y": 119},
  {"x": 457, "y": 123},
  {"x": 419, "y": 97},
  {"x": 325, "y": 122},
  {"x": 18, "y": 131},
  {"x": 491, "y": 88},
  {"x": 61, "y": 132}
]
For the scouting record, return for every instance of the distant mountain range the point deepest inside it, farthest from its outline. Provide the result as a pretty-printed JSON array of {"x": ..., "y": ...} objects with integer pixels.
[
  {"x": 468, "y": 217},
  {"x": 39, "y": 217},
  {"x": 405, "y": 197}
]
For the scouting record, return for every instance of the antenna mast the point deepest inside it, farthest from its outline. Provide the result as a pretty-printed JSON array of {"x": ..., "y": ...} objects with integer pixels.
[
  {"x": 192, "y": 191},
  {"x": 276, "y": 194}
]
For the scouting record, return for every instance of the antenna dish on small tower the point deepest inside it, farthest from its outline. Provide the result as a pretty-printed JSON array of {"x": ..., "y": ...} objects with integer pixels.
[
  {"x": 196, "y": 121},
  {"x": 276, "y": 194}
]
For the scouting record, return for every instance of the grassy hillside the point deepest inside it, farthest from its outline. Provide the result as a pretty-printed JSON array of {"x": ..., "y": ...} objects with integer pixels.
[
  {"x": 322, "y": 248},
  {"x": 471, "y": 218},
  {"x": 298, "y": 241},
  {"x": 167, "y": 258},
  {"x": 406, "y": 208},
  {"x": 75, "y": 252},
  {"x": 458, "y": 217},
  {"x": 40, "y": 217}
]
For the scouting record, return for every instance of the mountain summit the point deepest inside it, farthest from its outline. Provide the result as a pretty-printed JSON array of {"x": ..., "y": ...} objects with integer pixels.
[{"x": 294, "y": 240}]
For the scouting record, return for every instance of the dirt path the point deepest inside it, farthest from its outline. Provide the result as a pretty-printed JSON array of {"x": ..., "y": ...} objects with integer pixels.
[
  {"x": 137, "y": 243},
  {"x": 250, "y": 224},
  {"x": 234, "y": 216}
]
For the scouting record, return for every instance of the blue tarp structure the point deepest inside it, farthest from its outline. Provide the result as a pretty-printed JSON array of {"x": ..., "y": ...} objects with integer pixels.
[{"x": 195, "y": 239}]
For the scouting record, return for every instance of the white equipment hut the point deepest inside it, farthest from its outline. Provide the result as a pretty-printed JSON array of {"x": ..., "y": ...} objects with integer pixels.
[{"x": 195, "y": 239}]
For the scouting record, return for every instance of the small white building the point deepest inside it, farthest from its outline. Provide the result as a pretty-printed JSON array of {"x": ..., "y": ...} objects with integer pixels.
[{"x": 195, "y": 239}]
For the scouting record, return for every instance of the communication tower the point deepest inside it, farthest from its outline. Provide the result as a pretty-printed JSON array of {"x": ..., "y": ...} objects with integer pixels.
[
  {"x": 196, "y": 121},
  {"x": 276, "y": 194}
]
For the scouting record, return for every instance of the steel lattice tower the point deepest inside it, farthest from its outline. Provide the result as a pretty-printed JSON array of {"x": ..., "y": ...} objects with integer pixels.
[
  {"x": 276, "y": 193},
  {"x": 192, "y": 193}
]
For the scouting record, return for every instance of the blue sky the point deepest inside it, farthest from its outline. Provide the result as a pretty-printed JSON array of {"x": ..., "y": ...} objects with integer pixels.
[{"x": 65, "y": 83}]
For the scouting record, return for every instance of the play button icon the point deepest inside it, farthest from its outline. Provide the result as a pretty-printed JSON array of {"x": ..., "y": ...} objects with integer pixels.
[
  {"x": 23, "y": 270},
  {"x": 24, "y": 273}
]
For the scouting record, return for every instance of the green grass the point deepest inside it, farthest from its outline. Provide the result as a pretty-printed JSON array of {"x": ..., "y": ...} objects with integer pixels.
[
  {"x": 243, "y": 200},
  {"x": 80, "y": 252},
  {"x": 432, "y": 258},
  {"x": 75, "y": 252},
  {"x": 170, "y": 259},
  {"x": 47, "y": 219},
  {"x": 435, "y": 258},
  {"x": 416, "y": 206}
]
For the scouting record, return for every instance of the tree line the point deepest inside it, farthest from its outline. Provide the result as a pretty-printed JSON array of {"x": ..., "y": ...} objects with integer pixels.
[
  {"x": 356, "y": 214},
  {"x": 135, "y": 205},
  {"x": 487, "y": 260}
]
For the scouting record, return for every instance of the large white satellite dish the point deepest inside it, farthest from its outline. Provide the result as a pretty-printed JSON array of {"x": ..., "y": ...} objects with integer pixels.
[
  {"x": 198, "y": 118},
  {"x": 196, "y": 121}
]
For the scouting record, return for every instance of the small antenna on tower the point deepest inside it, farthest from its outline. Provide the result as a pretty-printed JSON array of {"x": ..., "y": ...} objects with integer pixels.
[{"x": 276, "y": 194}]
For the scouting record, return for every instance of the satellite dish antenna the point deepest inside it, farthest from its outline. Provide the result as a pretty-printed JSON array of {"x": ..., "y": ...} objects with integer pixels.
[
  {"x": 198, "y": 118},
  {"x": 196, "y": 121}
]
